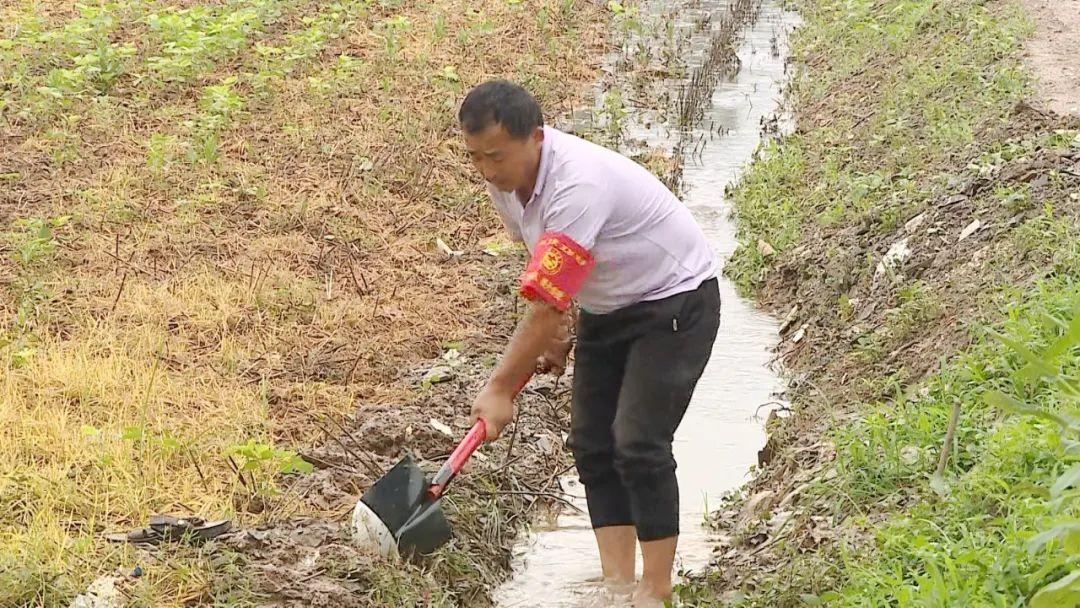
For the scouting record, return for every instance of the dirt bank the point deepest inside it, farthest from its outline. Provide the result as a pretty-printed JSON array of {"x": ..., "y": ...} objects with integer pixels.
[
  {"x": 311, "y": 561},
  {"x": 900, "y": 222}
]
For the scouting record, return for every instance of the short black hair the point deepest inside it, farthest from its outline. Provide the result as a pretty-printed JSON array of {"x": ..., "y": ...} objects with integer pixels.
[{"x": 500, "y": 102}]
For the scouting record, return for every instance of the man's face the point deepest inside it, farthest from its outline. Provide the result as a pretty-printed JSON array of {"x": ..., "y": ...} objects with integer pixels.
[{"x": 508, "y": 163}]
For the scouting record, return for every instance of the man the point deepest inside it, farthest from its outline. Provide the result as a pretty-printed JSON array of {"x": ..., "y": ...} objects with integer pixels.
[{"x": 604, "y": 232}]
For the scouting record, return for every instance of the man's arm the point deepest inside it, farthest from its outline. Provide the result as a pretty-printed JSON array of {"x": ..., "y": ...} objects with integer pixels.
[
  {"x": 557, "y": 269},
  {"x": 534, "y": 336},
  {"x": 560, "y": 262}
]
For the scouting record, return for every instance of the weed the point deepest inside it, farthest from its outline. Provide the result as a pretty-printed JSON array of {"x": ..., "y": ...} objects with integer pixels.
[
  {"x": 218, "y": 105},
  {"x": 613, "y": 117},
  {"x": 159, "y": 152},
  {"x": 905, "y": 138},
  {"x": 262, "y": 462},
  {"x": 192, "y": 39},
  {"x": 391, "y": 29},
  {"x": 902, "y": 106},
  {"x": 34, "y": 239}
]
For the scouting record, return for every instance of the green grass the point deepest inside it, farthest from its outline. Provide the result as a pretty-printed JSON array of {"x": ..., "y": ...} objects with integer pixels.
[
  {"x": 899, "y": 103},
  {"x": 966, "y": 548},
  {"x": 970, "y": 546},
  {"x": 895, "y": 95}
]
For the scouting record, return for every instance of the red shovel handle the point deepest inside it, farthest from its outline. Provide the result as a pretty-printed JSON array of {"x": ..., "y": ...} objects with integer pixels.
[{"x": 453, "y": 465}]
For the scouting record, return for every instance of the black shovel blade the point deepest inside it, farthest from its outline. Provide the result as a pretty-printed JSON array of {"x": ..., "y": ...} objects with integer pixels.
[
  {"x": 425, "y": 531},
  {"x": 398, "y": 494}
]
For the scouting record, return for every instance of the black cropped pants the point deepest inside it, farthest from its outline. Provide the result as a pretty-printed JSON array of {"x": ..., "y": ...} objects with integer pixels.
[{"x": 635, "y": 370}]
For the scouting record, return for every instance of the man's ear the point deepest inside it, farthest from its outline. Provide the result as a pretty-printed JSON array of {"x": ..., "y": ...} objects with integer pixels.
[{"x": 538, "y": 135}]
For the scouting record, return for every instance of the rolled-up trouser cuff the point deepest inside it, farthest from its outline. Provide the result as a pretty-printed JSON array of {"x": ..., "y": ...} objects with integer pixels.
[
  {"x": 609, "y": 504},
  {"x": 654, "y": 503}
]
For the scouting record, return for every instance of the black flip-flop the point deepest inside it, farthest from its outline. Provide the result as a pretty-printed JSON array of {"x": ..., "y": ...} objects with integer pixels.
[{"x": 167, "y": 527}]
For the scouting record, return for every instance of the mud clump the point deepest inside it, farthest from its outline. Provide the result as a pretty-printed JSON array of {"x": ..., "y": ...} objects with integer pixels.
[{"x": 312, "y": 561}]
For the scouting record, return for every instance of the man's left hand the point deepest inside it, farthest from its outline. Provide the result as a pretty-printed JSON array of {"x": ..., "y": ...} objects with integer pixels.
[{"x": 554, "y": 358}]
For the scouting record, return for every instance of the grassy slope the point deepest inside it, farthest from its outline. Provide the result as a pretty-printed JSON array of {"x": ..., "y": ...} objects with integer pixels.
[
  {"x": 911, "y": 127},
  {"x": 218, "y": 223}
]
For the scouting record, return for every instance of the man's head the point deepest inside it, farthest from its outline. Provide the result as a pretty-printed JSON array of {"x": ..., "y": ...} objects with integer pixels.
[{"x": 503, "y": 128}]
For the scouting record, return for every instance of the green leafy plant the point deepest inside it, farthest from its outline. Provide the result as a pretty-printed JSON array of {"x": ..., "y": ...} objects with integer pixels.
[
  {"x": 218, "y": 105},
  {"x": 193, "y": 39},
  {"x": 1060, "y": 543},
  {"x": 158, "y": 155},
  {"x": 34, "y": 239},
  {"x": 613, "y": 114},
  {"x": 260, "y": 461},
  {"x": 390, "y": 29}
]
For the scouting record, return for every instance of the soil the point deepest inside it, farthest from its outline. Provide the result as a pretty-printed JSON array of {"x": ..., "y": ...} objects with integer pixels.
[
  {"x": 1052, "y": 52},
  {"x": 311, "y": 561},
  {"x": 292, "y": 276}
]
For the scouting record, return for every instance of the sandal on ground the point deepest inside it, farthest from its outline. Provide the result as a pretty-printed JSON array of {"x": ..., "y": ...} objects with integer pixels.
[{"x": 168, "y": 527}]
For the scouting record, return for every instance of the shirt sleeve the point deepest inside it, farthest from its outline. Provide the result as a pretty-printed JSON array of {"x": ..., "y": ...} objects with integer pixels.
[
  {"x": 578, "y": 209},
  {"x": 561, "y": 260}
]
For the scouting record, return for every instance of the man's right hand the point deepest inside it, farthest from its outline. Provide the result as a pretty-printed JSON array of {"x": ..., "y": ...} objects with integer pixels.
[{"x": 496, "y": 408}]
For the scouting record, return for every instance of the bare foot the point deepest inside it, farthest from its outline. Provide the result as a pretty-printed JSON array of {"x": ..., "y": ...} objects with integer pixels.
[
  {"x": 651, "y": 596},
  {"x": 619, "y": 584}
]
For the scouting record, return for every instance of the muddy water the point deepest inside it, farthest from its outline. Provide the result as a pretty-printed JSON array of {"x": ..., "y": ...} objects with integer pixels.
[{"x": 717, "y": 443}]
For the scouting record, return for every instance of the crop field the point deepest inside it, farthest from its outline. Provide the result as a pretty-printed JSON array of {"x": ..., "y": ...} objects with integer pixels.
[{"x": 220, "y": 224}]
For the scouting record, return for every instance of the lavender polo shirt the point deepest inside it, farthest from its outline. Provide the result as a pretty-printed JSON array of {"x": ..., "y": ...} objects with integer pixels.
[{"x": 646, "y": 244}]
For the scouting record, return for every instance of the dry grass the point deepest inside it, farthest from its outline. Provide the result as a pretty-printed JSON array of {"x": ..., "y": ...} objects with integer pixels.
[{"x": 226, "y": 259}]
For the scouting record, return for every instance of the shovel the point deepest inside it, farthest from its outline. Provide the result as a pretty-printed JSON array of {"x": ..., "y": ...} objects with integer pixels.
[{"x": 402, "y": 512}]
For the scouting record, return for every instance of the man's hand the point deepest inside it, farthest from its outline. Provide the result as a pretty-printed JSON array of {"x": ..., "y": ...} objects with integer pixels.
[
  {"x": 533, "y": 336},
  {"x": 554, "y": 358},
  {"x": 496, "y": 408}
]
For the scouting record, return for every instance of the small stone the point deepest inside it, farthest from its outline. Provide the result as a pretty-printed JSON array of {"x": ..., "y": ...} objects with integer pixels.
[
  {"x": 896, "y": 256},
  {"x": 102, "y": 593},
  {"x": 800, "y": 334},
  {"x": 910, "y": 454},
  {"x": 442, "y": 428},
  {"x": 969, "y": 230},
  {"x": 437, "y": 374},
  {"x": 765, "y": 249},
  {"x": 789, "y": 319},
  {"x": 913, "y": 224},
  {"x": 443, "y": 247}
]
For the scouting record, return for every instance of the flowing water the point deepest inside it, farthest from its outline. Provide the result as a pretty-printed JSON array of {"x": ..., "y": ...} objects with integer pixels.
[{"x": 717, "y": 443}]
